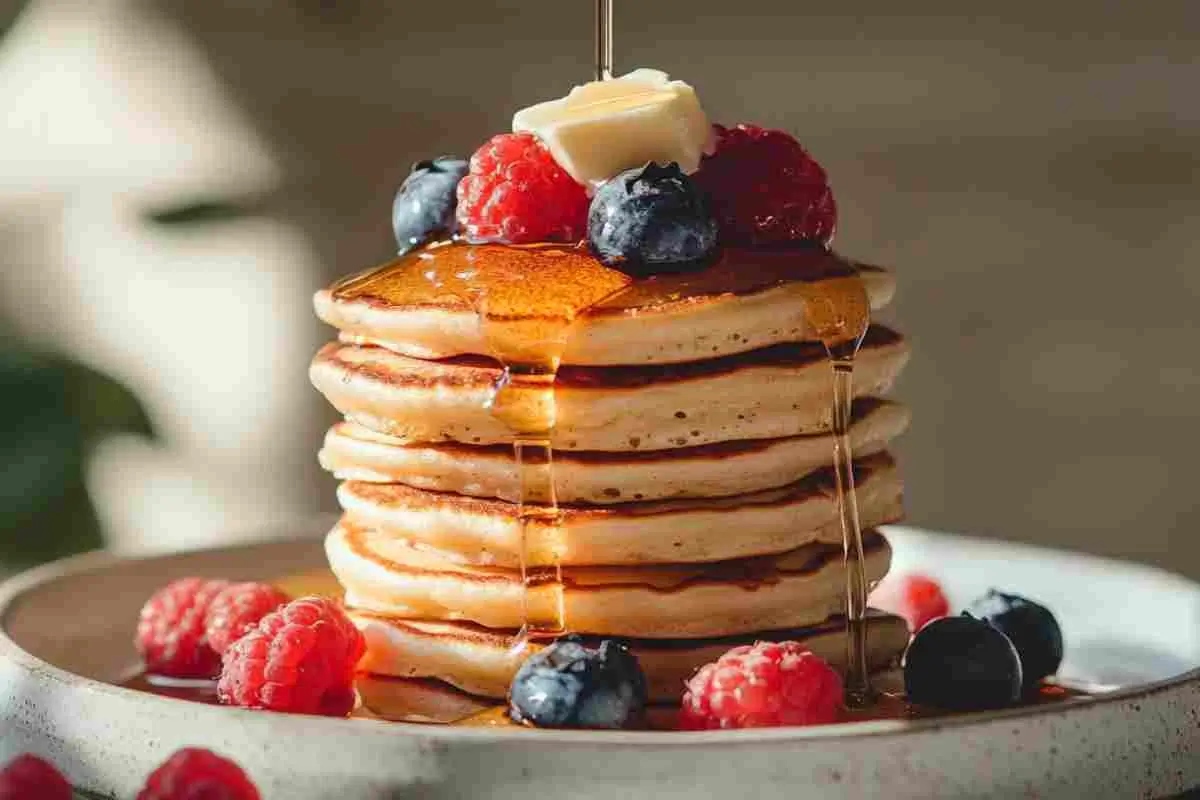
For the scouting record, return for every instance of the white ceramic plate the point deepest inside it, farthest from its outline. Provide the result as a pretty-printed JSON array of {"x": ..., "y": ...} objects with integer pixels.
[{"x": 65, "y": 631}]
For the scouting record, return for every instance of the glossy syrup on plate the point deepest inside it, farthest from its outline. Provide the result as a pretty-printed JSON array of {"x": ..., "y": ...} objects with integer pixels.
[{"x": 428, "y": 701}]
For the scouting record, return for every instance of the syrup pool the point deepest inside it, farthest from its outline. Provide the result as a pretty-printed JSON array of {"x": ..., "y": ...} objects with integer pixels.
[{"x": 428, "y": 701}]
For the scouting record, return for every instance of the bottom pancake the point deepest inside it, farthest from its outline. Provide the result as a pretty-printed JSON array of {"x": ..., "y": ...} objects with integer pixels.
[
  {"x": 796, "y": 589},
  {"x": 417, "y": 699},
  {"x": 481, "y": 661},
  {"x": 429, "y": 701}
]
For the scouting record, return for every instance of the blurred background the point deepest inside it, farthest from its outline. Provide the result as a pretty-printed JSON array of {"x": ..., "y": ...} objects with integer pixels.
[{"x": 177, "y": 177}]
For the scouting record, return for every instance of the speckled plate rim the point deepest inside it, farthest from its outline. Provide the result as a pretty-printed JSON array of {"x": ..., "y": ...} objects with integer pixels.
[{"x": 1184, "y": 684}]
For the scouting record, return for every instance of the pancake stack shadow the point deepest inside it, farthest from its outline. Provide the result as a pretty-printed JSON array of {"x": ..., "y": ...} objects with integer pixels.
[{"x": 692, "y": 463}]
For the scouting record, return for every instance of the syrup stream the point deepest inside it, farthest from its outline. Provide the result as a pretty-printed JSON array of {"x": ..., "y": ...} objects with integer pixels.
[
  {"x": 604, "y": 40},
  {"x": 526, "y": 300},
  {"x": 537, "y": 505}
]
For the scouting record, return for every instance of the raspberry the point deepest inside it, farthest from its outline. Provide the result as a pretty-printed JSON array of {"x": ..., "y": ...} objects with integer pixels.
[
  {"x": 195, "y": 774},
  {"x": 237, "y": 609},
  {"x": 915, "y": 597},
  {"x": 761, "y": 686},
  {"x": 766, "y": 189},
  {"x": 516, "y": 192},
  {"x": 170, "y": 632},
  {"x": 28, "y": 777},
  {"x": 300, "y": 658}
]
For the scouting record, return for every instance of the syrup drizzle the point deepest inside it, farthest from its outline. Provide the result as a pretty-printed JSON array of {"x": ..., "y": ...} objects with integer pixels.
[
  {"x": 840, "y": 315},
  {"x": 526, "y": 300},
  {"x": 527, "y": 324}
]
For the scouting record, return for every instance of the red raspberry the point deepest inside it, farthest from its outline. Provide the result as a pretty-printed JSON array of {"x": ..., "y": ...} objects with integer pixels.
[
  {"x": 764, "y": 188},
  {"x": 28, "y": 777},
  {"x": 195, "y": 774},
  {"x": 170, "y": 633},
  {"x": 761, "y": 686},
  {"x": 516, "y": 192},
  {"x": 237, "y": 609},
  {"x": 300, "y": 658},
  {"x": 917, "y": 598}
]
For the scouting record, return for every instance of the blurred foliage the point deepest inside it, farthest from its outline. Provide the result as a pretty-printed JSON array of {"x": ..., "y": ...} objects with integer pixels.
[
  {"x": 9, "y": 11},
  {"x": 198, "y": 211},
  {"x": 52, "y": 410}
]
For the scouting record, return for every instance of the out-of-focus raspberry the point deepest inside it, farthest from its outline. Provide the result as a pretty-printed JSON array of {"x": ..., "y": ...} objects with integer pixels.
[
  {"x": 171, "y": 634},
  {"x": 237, "y": 609},
  {"x": 765, "y": 189}
]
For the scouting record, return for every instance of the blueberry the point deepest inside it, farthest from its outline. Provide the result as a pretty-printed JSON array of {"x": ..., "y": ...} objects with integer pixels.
[
  {"x": 425, "y": 204},
  {"x": 962, "y": 663},
  {"x": 1032, "y": 628},
  {"x": 651, "y": 219},
  {"x": 573, "y": 685}
]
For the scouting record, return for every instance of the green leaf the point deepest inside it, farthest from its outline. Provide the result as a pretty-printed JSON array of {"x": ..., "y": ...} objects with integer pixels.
[
  {"x": 84, "y": 794},
  {"x": 9, "y": 11},
  {"x": 52, "y": 411},
  {"x": 198, "y": 212}
]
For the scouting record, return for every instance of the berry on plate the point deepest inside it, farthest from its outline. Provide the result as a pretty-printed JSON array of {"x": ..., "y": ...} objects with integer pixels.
[
  {"x": 761, "y": 686},
  {"x": 170, "y": 633},
  {"x": 1030, "y": 626},
  {"x": 425, "y": 204},
  {"x": 237, "y": 609},
  {"x": 300, "y": 658},
  {"x": 765, "y": 189},
  {"x": 196, "y": 774},
  {"x": 651, "y": 219},
  {"x": 515, "y": 192},
  {"x": 571, "y": 684},
  {"x": 28, "y": 777},
  {"x": 962, "y": 664},
  {"x": 917, "y": 598}
]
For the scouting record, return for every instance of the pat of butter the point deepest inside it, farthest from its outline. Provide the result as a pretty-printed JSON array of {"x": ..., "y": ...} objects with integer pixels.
[{"x": 604, "y": 127}]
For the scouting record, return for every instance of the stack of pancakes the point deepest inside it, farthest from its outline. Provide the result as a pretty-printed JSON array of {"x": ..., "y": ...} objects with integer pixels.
[{"x": 692, "y": 464}]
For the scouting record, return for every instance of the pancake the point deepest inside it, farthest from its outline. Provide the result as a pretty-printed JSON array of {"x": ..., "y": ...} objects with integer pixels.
[
  {"x": 795, "y": 589},
  {"x": 425, "y": 700},
  {"x": 417, "y": 699},
  {"x": 781, "y": 391},
  {"x": 746, "y": 300},
  {"x": 433, "y": 701},
  {"x": 352, "y": 452},
  {"x": 488, "y": 532},
  {"x": 482, "y": 662}
]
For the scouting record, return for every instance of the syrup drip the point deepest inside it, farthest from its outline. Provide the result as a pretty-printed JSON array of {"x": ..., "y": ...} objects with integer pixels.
[
  {"x": 857, "y": 679},
  {"x": 839, "y": 315},
  {"x": 526, "y": 300}
]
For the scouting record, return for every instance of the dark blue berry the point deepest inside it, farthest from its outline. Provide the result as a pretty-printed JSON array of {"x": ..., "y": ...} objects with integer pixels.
[
  {"x": 424, "y": 205},
  {"x": 1032, "y": 628},
  {"x": 651, "y": 219},
  {"x": 963, "y": 664},
  {"x": 571, "y": 684}
]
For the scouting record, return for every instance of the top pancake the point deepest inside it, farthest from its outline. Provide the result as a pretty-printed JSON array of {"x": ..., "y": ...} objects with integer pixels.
[
  {"x": 780, "y": 391},
  {"x": 428, "y": 304}
]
